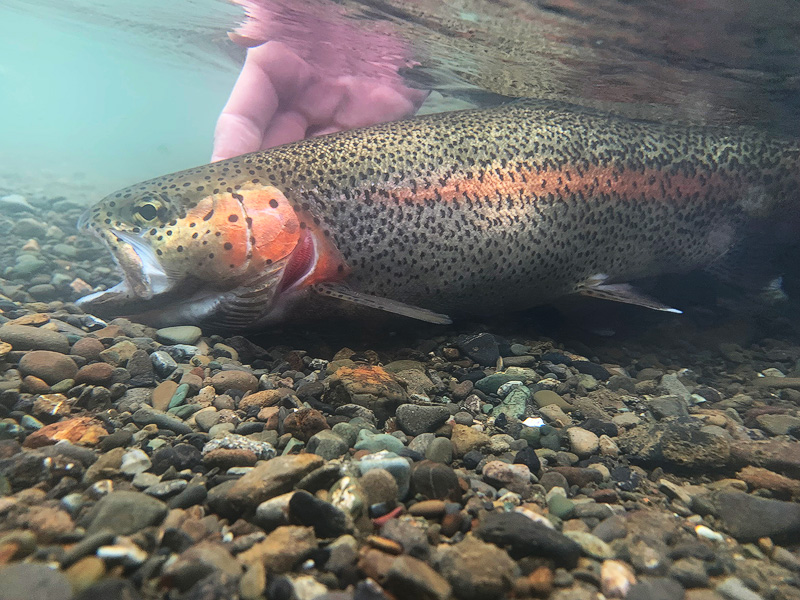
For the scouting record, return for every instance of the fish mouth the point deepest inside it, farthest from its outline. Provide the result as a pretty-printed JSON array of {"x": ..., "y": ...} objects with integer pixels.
[{"x": 143, "y": 275}]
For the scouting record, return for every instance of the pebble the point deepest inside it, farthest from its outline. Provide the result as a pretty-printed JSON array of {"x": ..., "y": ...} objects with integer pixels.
[
  {"x": 134, "y": 462},
  {"x": 524, "y": 537},
  {"x": 582, "y": 442},
  {"x": 466, "y": 439},
  {"x": 50, "y": 367},
  {"x": 516, "y": 478},
  {"x": 616, "y": 578},
  {"x": 33, "y": 581},
  {"x": 477, "y": 570},
  {"x": 514, "y": 404},
  {"x": 186, "y": 334},
  {"x": 148, "y": 416},
  {"x": 434, "y": 480},
  {"x": 375, "y": 442},
  {"x": 23, "y": 337},
  {"x": 656, "y": 588},
  {"x": 234, "y": 380},
  {"x": 327, "y": 444},
  {"x": 232, "y": 441},
  {"x": 440, "y": 450},
  {"x": 748, "y": 518},
  {"x": 266, "y": 480},
  {"x": 391, "y": 462},
  {"x": 416, "y": 419},
  {"x": 125, "y": 513},
  {"x": 591, "y": 545}
]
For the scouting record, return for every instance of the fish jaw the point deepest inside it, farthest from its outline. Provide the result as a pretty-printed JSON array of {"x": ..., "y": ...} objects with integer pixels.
[{"x": 143, "y": 275}]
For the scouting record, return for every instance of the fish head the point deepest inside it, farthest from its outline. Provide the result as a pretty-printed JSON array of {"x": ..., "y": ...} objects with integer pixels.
[{"x": 194, "y": 253}]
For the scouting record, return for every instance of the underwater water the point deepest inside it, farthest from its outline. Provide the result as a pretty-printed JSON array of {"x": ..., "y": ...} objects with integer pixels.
[{"x": 587, "y": 448}]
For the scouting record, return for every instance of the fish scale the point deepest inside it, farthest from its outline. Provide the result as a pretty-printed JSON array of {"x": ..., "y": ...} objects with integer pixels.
[{"x": 505, "y": 208}]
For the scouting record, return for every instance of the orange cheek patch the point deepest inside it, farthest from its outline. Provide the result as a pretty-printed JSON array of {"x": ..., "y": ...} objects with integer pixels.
[
  {"x": 229, "y": 220},
  {"x": 274, "y": 226}
]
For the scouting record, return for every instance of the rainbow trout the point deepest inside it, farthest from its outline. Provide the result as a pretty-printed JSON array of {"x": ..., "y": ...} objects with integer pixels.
[{"x": 468, "y": 212}]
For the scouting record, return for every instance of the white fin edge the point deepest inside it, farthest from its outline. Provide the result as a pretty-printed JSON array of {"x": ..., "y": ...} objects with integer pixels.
[{"x": 595, "y": 287}]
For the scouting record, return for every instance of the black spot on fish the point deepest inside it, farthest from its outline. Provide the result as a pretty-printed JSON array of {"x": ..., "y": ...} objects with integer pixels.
[
  {"x": 228, "y": 246},
  {"x": 233, "y": 218}
]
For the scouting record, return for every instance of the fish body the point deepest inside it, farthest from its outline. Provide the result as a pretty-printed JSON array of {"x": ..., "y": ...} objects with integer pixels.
[{"x": 470, "y": 212}]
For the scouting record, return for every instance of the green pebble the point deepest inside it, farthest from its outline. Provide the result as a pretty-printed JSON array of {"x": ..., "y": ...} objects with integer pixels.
[
  {"x": 63, "y": 386},
  {"x": 29, "y": 422},
  {"x": 531, "y": 435},
  {"x": 184, "y": 411},
  {"x": 375, "y": 442},
  {"x": 490, "y": 384},
  {"x": 293, "y": 446},
  {"x": 179, "y": 396},
  {"x": 552, "y": 441},
  {"x": 560, "y": 506}
]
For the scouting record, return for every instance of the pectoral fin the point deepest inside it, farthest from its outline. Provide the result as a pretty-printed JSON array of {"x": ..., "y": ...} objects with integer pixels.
[
  {"x": 596, "y": 287},
  {"x": 342, "y": 292}
]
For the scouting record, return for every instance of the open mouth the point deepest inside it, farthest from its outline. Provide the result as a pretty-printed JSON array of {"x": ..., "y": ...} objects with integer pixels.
[{"x": 143, "y": 275}]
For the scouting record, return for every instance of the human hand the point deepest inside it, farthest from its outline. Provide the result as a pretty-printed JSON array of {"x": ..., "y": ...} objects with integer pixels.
[{"x": 280, "y": 98}]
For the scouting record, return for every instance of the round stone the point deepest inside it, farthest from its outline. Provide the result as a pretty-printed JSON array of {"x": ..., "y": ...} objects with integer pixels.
[
  {"x": 584, "y": 443},
  {"x": 99, "y": 373},
  {"x": 48, "y": 366}
]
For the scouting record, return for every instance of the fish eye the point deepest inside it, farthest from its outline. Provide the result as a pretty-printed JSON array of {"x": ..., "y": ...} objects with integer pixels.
[{"x": 147, "y": 211}]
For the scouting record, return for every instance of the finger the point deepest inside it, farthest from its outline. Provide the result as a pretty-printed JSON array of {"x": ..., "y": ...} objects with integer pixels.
[
  {"x": 285, "y": 127},
  {"x": 251, "y": 106}
]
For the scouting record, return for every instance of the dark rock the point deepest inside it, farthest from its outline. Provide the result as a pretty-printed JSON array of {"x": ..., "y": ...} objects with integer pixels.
[
  {"x": 472, "y": 458},
  {"x": 626, "y": 478},
  {"x": 556, "y": 358},
  {"x": 552, "y": 479},
  {"x": 180, "y": 456},
  {"x": 141, "y": 369},
  {"x": 327, "y": 520},
  {"x": 611, "y": 529},
  {"x": 119, "y": 439},
  {"x": 668, "y": 406},
  {"x": 23, "y": 470},
  {"x": 748, "y": 518},
  {"x": 118, "y": 589},
  {"x": 599, "y": 372},
  {"x": 529, "y": 458},
  {"x": 415, "y": 419},
  {"x": 148, "y": 416},
  {"x": 598, "y": 427},
  {"x": 522, "y": 536},
  {"x": 482, "y": 348},
  {"x": 434, "y": 480},
  {"x": 680, "y": 443},
  {"x": 579, "y": 476},
  {"x": 656, "y": 588},
  {"x": 125, "y": 513},
  {"x": 190, "y": 496},
  {"x": 410, "y": 536}
]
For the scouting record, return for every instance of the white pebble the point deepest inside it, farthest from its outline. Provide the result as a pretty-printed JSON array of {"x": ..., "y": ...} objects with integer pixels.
[{"x": 707, "y": 533}]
